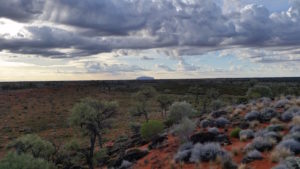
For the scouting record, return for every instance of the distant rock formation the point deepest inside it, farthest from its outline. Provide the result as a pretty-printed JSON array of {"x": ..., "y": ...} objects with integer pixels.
[{"x": 145, "y": 78}]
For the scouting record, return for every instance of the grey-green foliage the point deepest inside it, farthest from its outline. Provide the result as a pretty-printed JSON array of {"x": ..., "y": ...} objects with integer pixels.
[
  {"x": 142, "y": 107},
  {"x": 164, "y": 103},
  {"x": 92, "y": 117},
  {"x": 259, "y": 91},
  {"x": 184, "y": 129},
  {"x": 34, "y": 145},
  {"x": 24, "y": 161},
  {"x": 179, "y": 110}
]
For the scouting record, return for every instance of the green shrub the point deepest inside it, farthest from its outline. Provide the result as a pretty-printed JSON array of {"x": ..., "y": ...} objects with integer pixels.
[
  {"x": 151, "y": 129},
  {"x": 34, "y": 145},
  {"x": 258, "y": 92},
  {"x": 24, "y": 161},
  {"x": 179, "y": 110},
  {"x": 235, "y": 132}
]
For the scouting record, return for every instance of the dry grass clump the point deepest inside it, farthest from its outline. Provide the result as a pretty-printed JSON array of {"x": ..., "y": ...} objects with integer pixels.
[
  {"x": 296, "y": 120},
  {"x": 279, "y": 154},
  {"x": 254, "y": 124},
  {"x": 275, "y": 120},
  {"x": 243, "y": 166}
]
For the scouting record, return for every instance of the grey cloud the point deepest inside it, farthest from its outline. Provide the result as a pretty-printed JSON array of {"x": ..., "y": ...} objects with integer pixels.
[
  {"x": 96, "y": 67},
  {"x": 175, "y": 27},
  {"x": 164, "y": 67},
  {"x": 147, "y": 58},
  {"x": 21, "y": 10}
]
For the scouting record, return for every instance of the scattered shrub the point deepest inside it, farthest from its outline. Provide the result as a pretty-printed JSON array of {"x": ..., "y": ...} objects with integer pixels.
[
  {"x": 207, "y": 123},
  {"x": 295, "y": 136},
  {"x": 275, "y": 127},
  {"x": 262, "y": 144},
  {"x": 222, "y": 122},
  {"x": 281, "y": 103},
  {"x": 279, "y": 154},
  {"x": 267, "y": 114},
  {"x": 290, "y": 144},
  {"x": 268, "y": 134},
  {"x": 290, "y": 113},
  {"x": 185, "y": 129},
  {"x": 253, "y": 115},
  {"x": 207, "y": 152},
  {"x": 289, "y": 163},
  {"x": 258, "y": 92},
  {"x": 235, "y": 132},
  {"x": 296, "y": 121},
  {"x": 184, "y": 152},
  {"x": 135, "y": 127},
  {"x": 214, "y": 130},
  {"x": 217, "y": 104},
  {"x": 151, "y": 129},
  {"x": 246, "y": 134},
  {"x": 34, "y": 145},
  {"x": 252, "y": 156},
  {"x": 179, "y": 110},
  {"x": 24, "y": 161}
]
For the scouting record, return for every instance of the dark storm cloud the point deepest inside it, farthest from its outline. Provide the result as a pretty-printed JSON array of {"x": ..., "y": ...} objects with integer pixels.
[
  {"x": 186, "y": 27},
  {"x": 21, "y": 10}
]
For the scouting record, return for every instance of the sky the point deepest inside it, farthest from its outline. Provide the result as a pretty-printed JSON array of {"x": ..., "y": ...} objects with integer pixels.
[{"x": 46, "y": 40}]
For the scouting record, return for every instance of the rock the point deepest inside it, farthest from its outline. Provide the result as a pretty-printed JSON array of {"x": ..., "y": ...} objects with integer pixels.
[
  {"x": 217, "y": 114},
  {"x": 134, "y": 154},
  {"x": 157, "y": 141},
  {"x": 205, "y": 137}
]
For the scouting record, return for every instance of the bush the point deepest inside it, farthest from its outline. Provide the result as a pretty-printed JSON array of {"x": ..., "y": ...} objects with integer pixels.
[
  {"x": 179, "y": 110},
  {"x": 135, "y": 127},
  {"x": 184, "y": 152},
  {"x": 281, "y": 103},
  {"x": 267, "y": 114},
  {"x": 252, "y": 156},
  {"x": 235, "y": 132},
  {"x": 185, "y": 129},
  {"x": 254, "y": 115},
  {"x": 217, "y": 104},
  {"x": 24, "y": 161},
  {"x": 214, "y": 130},
  {"x": 279, "y": 154},
  {"x": 246, "y": 134},
  {"x": 291, "y": 144},
  {"x": 222, "y": 122},
  {"x": 207, "y": 123},
  {"x": 262, "y": 144},
  {"x": 151, "y": 129},
  {"x": 207, "y": 152},
  {"x": 296, "y": 121},
  {"x": 289, "y": 163},
  {"x": 34, "y": 145},
  {"x": 290, "y": 113},
  {"x": 275, "y": 127},
  {"x": 258, "y": 92},
  {"x": 268, "y": 134}
]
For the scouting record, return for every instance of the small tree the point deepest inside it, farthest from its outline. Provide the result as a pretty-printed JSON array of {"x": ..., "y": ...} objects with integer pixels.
[
  {"x": 196, "y": 91},
  {"x": 144, "y": 95},
  {"x": 164, "y": 103},
  {"x": 92, "y": 117},
  {"x": 34, "y": 145},
  {"x": 210, "y": 95}
]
